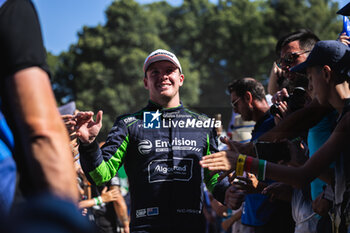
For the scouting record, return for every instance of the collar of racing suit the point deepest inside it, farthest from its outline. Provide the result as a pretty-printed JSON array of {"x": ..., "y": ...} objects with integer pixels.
[{"x": 152, "y": 106}]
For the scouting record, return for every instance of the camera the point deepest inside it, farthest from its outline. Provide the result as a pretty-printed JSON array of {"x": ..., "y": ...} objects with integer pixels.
[{"x": 295, "y": 101}]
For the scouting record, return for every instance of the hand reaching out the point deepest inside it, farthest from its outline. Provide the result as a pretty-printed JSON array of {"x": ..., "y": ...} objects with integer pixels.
[
  {"x": 221, "y": 161},
  {"x": 111, "y": 195},
  {"x": 87, "y": 129},
  {"x": 70, "y": 123},
  {"x": 243, "y": 148}
]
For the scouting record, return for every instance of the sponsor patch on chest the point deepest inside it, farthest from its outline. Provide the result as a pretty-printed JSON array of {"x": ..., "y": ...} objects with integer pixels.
[
  {"x": 179, "y": 169},
  {"x": 153, "y": 211}
]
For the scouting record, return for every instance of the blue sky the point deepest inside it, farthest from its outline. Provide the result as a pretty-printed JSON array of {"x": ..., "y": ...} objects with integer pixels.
[{"x": 62, "y": 19}]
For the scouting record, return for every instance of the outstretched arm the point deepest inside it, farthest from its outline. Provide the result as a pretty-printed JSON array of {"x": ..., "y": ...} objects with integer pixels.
[
  {"x": 101, "y": 165},
  {"x": 45, "y": 153},
  {"x": 297, "y": 122},
  {"x": 106, "y": 196},
  {"x": 87, "y": 128},
  {"x": 292, "y": 126},
  {"x": 298, "y": 177}
]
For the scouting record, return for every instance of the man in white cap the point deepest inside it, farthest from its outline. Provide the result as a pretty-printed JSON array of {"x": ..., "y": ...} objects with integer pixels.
[{"x": 160, "y": 146}]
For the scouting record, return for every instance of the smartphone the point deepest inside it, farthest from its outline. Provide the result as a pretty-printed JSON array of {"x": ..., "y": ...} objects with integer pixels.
[
  {"x": 273, "y": 151},
  {"x": 238, "y": 181}
]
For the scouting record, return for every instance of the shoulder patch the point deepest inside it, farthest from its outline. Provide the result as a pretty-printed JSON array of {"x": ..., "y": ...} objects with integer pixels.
[{"x": 129, "y": 119}]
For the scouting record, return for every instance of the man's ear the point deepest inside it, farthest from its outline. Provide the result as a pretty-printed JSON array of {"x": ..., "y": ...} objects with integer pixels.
[
  {"x": 248, "y": 97},
  {"x": 327, "y": 71},
  {"x": 182, "y": 78},
  {"x": 145, "y": 82}
]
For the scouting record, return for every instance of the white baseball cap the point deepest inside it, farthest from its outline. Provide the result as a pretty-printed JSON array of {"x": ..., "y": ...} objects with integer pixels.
[{"x": 161, "y": 55}]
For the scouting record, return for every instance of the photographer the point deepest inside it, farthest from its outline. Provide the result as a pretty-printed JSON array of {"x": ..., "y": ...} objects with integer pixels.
[
  {"x": 288, "y": 103},
  {"x": 258, "y": 212},
  {"x": 292, "y": 49}
]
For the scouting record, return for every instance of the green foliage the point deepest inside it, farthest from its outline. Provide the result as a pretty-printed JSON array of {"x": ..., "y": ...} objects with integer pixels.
[
  {"x": 215, "y": 44},
  {"x": 320, "y": 16}
]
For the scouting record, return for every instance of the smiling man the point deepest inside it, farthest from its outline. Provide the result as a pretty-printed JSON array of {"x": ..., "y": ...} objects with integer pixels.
[{"x": 160, "y": 146}]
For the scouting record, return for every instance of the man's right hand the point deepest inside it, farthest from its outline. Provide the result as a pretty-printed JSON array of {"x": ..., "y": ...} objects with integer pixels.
[
  {"x": 280, "y": 96},
  {"x": 234, "y": 197},
  {"x": 88, "y": 129}
]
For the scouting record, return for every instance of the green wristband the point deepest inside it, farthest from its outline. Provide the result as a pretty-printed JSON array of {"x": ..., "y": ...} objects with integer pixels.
[
  {"x": 97, "y": 201},
  {"x": 261, "y": 169}
]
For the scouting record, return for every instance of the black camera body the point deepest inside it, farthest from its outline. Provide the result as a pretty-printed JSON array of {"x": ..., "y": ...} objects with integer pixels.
[{"x": 295, "y": 101}]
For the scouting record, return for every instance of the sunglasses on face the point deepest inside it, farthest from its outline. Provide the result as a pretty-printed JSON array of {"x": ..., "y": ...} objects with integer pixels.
[
  {"x": 289, "y": 58},
  {"x": 234, "y": 103}
]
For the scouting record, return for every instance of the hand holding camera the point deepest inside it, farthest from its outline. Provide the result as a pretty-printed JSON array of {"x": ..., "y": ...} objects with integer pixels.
[{"x": 294, "y": 101}]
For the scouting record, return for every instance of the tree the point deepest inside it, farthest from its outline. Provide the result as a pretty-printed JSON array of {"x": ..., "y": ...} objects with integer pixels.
[
  {"x": 105, "y": 66},
  {"x": 215, "y": 44},
  {"x": 319, "y": 16}
]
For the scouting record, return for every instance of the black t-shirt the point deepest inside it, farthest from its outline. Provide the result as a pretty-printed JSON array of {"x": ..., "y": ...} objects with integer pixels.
[
  {"x": 21, "y": 46},
  {"x": 20, "y": 41}
]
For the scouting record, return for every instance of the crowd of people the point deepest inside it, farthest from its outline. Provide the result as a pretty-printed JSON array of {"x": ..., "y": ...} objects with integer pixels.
[
  {"x": 289, "y": 175},
  {"x": 302, "y": 143}
]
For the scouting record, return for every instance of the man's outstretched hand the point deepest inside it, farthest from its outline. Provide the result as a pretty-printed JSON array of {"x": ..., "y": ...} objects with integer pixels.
[
  {"x": 87, "y": 129},
  {"x": 221, "y": 161}
]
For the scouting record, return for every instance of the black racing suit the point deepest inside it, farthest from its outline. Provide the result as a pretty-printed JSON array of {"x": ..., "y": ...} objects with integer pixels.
[{"x": 162, "y": 164}]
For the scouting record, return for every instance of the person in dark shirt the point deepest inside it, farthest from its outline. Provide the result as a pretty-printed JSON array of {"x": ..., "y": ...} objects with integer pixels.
[
  {"x": 248, "y": 99},
  {"x": 328, "y": 71},
  {"x": 41, "y": 145}
]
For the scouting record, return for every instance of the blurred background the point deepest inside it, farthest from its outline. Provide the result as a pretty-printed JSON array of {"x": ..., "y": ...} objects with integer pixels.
[{"x": 96, "y": 48}]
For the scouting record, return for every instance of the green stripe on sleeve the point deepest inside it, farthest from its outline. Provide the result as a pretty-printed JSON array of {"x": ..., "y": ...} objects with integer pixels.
[
  {"x": 210, "y": 181},
  {"x": 208, "y": 145},
  {"x": 107, "y": 170}
]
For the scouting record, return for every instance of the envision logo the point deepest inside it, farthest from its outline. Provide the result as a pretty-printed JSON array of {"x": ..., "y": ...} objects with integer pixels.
[
  {"x": 176, "y": 142},
  {"x": 145, "y": 146}
]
